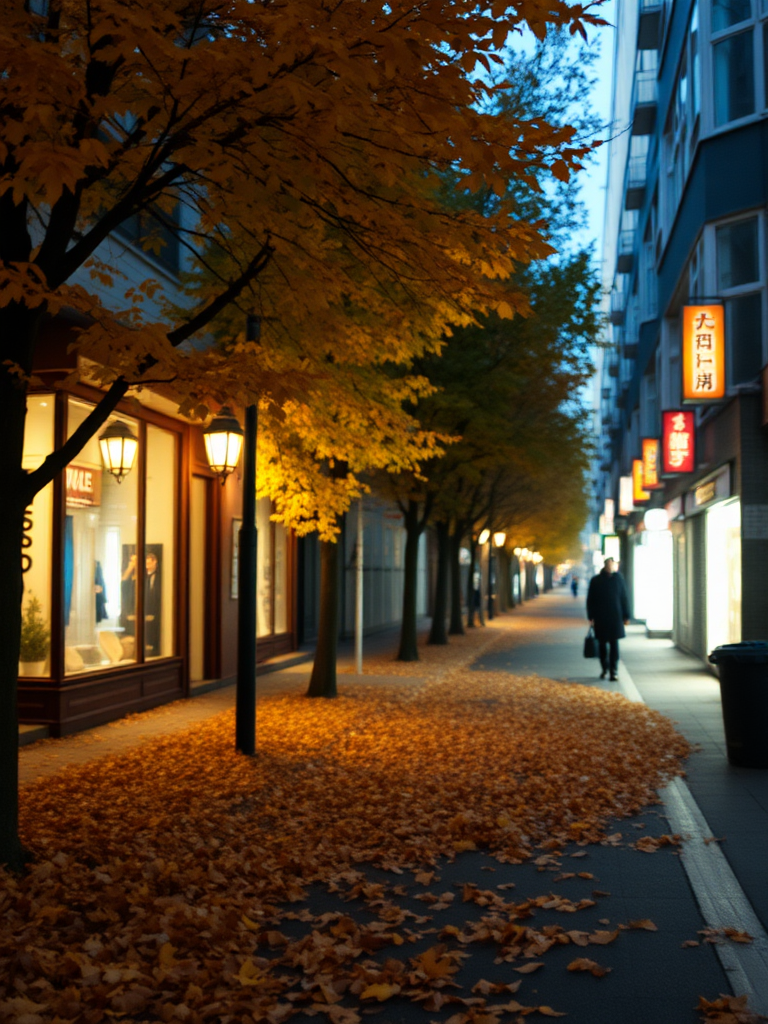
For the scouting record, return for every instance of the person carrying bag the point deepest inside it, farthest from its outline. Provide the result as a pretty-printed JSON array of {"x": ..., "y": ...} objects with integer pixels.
[{"x": 608, "y": 612}]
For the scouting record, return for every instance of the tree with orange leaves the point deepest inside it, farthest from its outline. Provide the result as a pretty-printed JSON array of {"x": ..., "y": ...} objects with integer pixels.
[{"x": 299, "y": 141}]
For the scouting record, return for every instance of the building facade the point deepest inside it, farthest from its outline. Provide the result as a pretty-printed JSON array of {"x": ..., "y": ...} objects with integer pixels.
[{"x": 685, "y": 226}]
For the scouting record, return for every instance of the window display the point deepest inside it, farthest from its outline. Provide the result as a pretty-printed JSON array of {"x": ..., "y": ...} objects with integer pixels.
[
  {"x": 36, "y": 545},
  {"x": 264, "y": 568},
  {"x": 100, "y": 571}
]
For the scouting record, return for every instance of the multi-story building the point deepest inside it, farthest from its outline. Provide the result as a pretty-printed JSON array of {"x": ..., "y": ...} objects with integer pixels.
[{"x": 685, "y": 224}]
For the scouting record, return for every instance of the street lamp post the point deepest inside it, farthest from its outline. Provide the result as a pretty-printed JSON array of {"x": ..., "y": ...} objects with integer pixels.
[
  {"x": 223, "y": 442},
  {"x": 245, "y": 695}
]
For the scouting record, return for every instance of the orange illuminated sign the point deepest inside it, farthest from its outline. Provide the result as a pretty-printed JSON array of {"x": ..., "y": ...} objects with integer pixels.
[
  {"x": 703, "y": 353},
  {"x": 639, "y": 493},
  {"x": 651, "y": 480}
]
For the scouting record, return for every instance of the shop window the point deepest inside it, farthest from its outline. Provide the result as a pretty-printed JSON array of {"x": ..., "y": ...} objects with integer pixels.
[
  {"x": 738, "y": 261},
  {"x": 734, "y": 78},
  {"x": 727, "y": 13},
  {"x": 263, "y": 568},
  {"x": 723, "y": 574},
  {"x": 744, "y": 334},
  {"x": 160, "y": 544},
  {"x": 272, "y": 606},
  {"x": 37, "y": 545},
  {"x": 100, "y": 560}
]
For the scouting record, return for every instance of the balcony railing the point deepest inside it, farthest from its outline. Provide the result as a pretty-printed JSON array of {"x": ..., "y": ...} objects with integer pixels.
[
  {"x": 626, "y": 252},
  {"x": 637, "y": 170},
  {"x": 645, "y": 102},
  {"x": 618, "y": 303}
]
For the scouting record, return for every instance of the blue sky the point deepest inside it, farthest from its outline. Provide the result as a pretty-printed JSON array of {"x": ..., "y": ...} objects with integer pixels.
[{"x": 594, "y": 179}]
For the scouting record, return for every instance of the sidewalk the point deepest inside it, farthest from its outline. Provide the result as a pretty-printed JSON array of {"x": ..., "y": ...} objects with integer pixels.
[
  {"x": 729, "y": 874},
  {"x": 656, "y": 976}
]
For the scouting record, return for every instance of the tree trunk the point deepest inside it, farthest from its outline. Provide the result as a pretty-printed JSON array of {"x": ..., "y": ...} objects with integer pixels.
[
  {"x": 456, "y": 627},
  {"x": 437, "y": 634},
  {"x": 408, "y": 634},
  {"x": 17, "y": 328},
  {"x": 471, "y": 585},
  {"x": 323, "y": 680}
]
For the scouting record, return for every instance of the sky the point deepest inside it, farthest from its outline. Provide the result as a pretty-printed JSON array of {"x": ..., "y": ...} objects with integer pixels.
[{"x": 594, "y": 179}]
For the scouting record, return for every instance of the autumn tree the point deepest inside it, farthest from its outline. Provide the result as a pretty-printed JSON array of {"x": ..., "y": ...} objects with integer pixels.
[
  {"x": 314, "y": 130},
  {"x": 509, "y": 389}
]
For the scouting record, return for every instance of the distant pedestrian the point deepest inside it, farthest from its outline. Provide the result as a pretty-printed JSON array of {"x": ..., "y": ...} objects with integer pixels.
[
  {"x": 608, "y": 611},
  {"x": 575, "y": 585}
]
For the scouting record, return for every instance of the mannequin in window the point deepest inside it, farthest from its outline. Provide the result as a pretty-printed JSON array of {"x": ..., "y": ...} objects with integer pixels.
[{"x": 152, "y": 600}]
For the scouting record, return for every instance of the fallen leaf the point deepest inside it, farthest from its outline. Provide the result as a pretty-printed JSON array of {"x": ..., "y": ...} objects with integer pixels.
[
  {"x": 585, "y": 964},
  {"x": 528, "y": 968},
  {"x": 380, "y": 992}
]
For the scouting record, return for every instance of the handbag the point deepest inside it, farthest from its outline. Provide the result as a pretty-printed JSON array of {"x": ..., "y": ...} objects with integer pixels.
[{"x": 590, "y": 644}]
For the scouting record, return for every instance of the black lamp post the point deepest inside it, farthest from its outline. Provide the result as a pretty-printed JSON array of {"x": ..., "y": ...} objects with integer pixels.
[
  {"x": 245, "y": 698},
  {"x": 223, "y": 441}
]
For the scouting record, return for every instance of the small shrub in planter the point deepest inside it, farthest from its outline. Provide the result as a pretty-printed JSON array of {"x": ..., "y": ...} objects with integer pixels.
[{"x": 35, "y": 635}]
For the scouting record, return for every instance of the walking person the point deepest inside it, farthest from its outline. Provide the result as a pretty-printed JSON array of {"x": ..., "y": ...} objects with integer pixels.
[
  {"x": 575, "y": 585},
  {"x": 608, "y": 611}
]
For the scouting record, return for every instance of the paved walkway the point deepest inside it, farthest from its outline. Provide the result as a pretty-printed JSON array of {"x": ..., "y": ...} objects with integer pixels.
[
  {"x": 727, "y": 865},
  {"x": 656, "y": 978}
]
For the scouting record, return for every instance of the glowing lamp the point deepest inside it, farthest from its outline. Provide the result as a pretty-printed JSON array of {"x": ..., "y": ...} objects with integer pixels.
[
  {"x": 656, "y": 519},
  {"x": 223, "y": 441},
  {"x": 118, "y": 446},
  {"x": 483, "y": 538},
  {"x": 499, "y": 538}
]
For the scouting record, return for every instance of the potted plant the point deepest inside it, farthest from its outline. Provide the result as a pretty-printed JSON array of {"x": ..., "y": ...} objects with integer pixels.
[{"x": 35, "y": 640}]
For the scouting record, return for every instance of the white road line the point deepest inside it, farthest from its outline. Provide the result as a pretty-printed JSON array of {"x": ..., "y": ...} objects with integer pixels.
[{"x": 722, "y": 901}]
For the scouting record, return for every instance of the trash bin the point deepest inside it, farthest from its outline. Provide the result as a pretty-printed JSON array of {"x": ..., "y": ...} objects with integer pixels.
[{"x": 744, "y": 698}]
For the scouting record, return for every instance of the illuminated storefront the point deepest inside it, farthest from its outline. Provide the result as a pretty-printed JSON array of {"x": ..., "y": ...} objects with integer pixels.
[{"x": 135, "y": 570}]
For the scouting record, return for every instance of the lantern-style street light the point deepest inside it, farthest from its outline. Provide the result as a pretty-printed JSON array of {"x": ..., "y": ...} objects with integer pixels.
[
  {"x": 223, "y": 442},
  {"x": 483, "y": 538},
  {"x": 499, "y": 539},
  {"x": 118, "y": 446}
]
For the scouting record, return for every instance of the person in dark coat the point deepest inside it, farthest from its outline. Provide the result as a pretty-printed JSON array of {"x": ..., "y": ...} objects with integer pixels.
[{"x": 608, "y": 611}]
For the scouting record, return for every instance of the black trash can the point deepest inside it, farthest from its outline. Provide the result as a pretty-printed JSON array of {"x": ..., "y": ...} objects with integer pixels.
[{"x": 744, "y": 698}]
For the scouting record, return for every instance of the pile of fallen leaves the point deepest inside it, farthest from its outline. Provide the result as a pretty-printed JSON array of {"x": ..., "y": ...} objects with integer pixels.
[{"x": 162, "y": 876}]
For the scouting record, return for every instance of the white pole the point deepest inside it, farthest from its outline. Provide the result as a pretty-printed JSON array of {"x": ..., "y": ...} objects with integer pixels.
[{"x": 359, "y": 593}]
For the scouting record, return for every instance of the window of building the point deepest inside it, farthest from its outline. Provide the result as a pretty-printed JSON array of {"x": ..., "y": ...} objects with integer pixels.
[
  {"x": 156, "y": 232},
  {"x": 160, "y": 544},
  {"x": 681, "y": 130},
  {"x": 272, "y": 604},
  {"x": 738, "y": 260},
  {"x": 744, "y": 337},
  {"x": 100, "y": 558},
  {"x": 112, "y": 574},
  {"x": 734, "y": 78},
  {"x": 36, "y": 545},
  {"x": 727, "y": 13}
]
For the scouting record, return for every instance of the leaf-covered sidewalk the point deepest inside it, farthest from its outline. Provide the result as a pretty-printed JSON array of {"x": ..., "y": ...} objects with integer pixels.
[{"x": 180, "y": 881}]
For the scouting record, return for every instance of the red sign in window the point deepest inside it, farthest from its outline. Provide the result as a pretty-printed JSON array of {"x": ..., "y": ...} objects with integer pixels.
[{"x": 677, "y": 443}]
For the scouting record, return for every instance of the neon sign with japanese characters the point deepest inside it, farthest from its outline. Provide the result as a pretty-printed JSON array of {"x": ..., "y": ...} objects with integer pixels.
[
  {"x": 651, "y": 480},
  {"x": 639, "y": 493},
  {"x": 678, "y": 453},
  {"x": 703, "y": 353}
]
